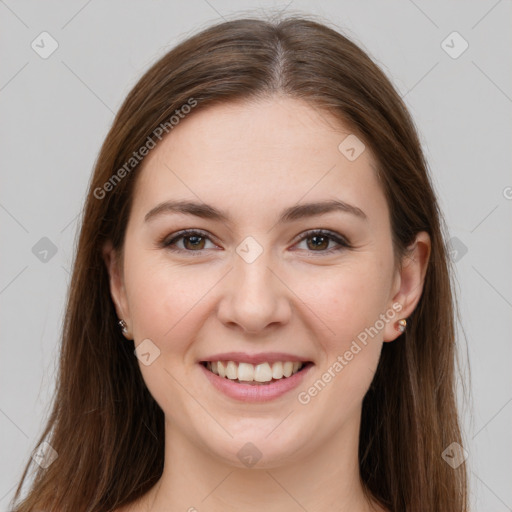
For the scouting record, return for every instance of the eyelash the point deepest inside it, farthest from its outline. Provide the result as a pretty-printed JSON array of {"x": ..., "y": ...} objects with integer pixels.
[{"x": 341, "y": 241}]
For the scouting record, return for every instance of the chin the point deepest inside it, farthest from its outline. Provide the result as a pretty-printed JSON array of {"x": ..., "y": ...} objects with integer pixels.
[{"x": 258, "y": 450}]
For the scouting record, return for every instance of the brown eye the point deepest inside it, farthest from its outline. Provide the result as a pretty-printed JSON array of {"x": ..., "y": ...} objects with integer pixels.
[
  {"x": 319, "y": 240},
  {"x": 196, "y": 242},
  {"x": 193, "y": 241},
  {"x": 316, "y": 241}
]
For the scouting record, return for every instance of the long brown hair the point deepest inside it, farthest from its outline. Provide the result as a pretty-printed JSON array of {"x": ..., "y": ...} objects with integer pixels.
[{"x": 105, "y": 426}]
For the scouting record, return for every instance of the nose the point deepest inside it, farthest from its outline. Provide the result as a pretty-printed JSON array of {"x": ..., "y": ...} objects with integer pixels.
[{"x": 254, "y": 296}]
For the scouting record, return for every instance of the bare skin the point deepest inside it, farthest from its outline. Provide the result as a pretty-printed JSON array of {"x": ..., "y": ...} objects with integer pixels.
[{"x": 252, "y": 160}]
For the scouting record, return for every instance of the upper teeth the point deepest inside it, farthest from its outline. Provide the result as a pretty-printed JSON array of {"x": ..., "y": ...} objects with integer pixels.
[{"x": 263, "y": 372}]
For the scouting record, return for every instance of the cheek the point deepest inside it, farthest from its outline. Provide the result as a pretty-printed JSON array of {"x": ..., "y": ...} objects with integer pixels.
[
  {"x": 166, "y": 300},
  {"x": 349, "y": 301},
  {"x": 345, "y": 299},
  {"x": 349, "y": 304},
  {"x": 166, "y": 303}
]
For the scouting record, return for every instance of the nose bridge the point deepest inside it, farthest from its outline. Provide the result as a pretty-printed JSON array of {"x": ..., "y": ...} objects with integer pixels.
[
  {"x": 255, "y": 297},
  {"x": 252, "y": 273}
]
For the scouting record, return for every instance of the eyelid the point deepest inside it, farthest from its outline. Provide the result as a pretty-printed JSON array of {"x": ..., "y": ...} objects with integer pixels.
[
  {"x": 338, "y": 238},
  {"x": 166, "y": 241},
  {"x": 342, "y": 241}
]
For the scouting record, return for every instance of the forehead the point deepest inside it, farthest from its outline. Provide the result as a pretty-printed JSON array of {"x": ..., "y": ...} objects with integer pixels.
[{"x": 256, "y": 157}]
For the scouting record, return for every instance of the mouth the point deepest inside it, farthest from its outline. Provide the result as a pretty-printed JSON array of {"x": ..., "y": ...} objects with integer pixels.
[{"x": 262, "y": 374}]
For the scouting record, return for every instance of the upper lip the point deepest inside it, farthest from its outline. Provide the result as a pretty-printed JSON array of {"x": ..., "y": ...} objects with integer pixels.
[{"x": 263, "y": 357}]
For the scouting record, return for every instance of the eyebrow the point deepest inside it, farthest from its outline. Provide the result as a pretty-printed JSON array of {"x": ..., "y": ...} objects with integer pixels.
[{"x": 296, "y": 212}]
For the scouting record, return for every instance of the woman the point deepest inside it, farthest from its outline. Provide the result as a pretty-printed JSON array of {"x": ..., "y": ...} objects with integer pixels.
[{"x": 260, "y": 312}]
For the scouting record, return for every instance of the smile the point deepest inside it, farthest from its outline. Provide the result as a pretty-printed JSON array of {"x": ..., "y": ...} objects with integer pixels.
[
  {"x": 251, "y": 374},
  {"x": 260, "y": 382}
]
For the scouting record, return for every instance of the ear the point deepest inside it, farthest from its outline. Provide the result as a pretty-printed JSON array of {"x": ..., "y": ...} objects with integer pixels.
[
  {"x": 408, "y": 283},
  {"x": 117, "y": 288}
]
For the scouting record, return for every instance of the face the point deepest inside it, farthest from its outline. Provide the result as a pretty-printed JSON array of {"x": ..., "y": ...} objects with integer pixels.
[{"x": 258, "y": 287}]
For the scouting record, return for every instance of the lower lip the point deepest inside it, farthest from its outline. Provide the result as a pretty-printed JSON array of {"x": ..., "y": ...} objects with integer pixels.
[{"x": 256, "y": 393}]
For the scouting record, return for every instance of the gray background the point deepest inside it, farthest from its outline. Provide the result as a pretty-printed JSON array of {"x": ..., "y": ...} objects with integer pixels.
[{"x": 55, "y": 112}]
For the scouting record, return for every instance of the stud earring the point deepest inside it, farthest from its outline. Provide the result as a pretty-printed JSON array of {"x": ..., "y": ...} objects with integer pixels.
[
  {"x": 123, "y": 326},
  {"x": 402, "y": 324}
]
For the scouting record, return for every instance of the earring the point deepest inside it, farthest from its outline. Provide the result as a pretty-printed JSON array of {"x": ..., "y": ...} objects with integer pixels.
[
  {"x": 123, "y": 326},
  {"x": 402, "y": 324}
]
